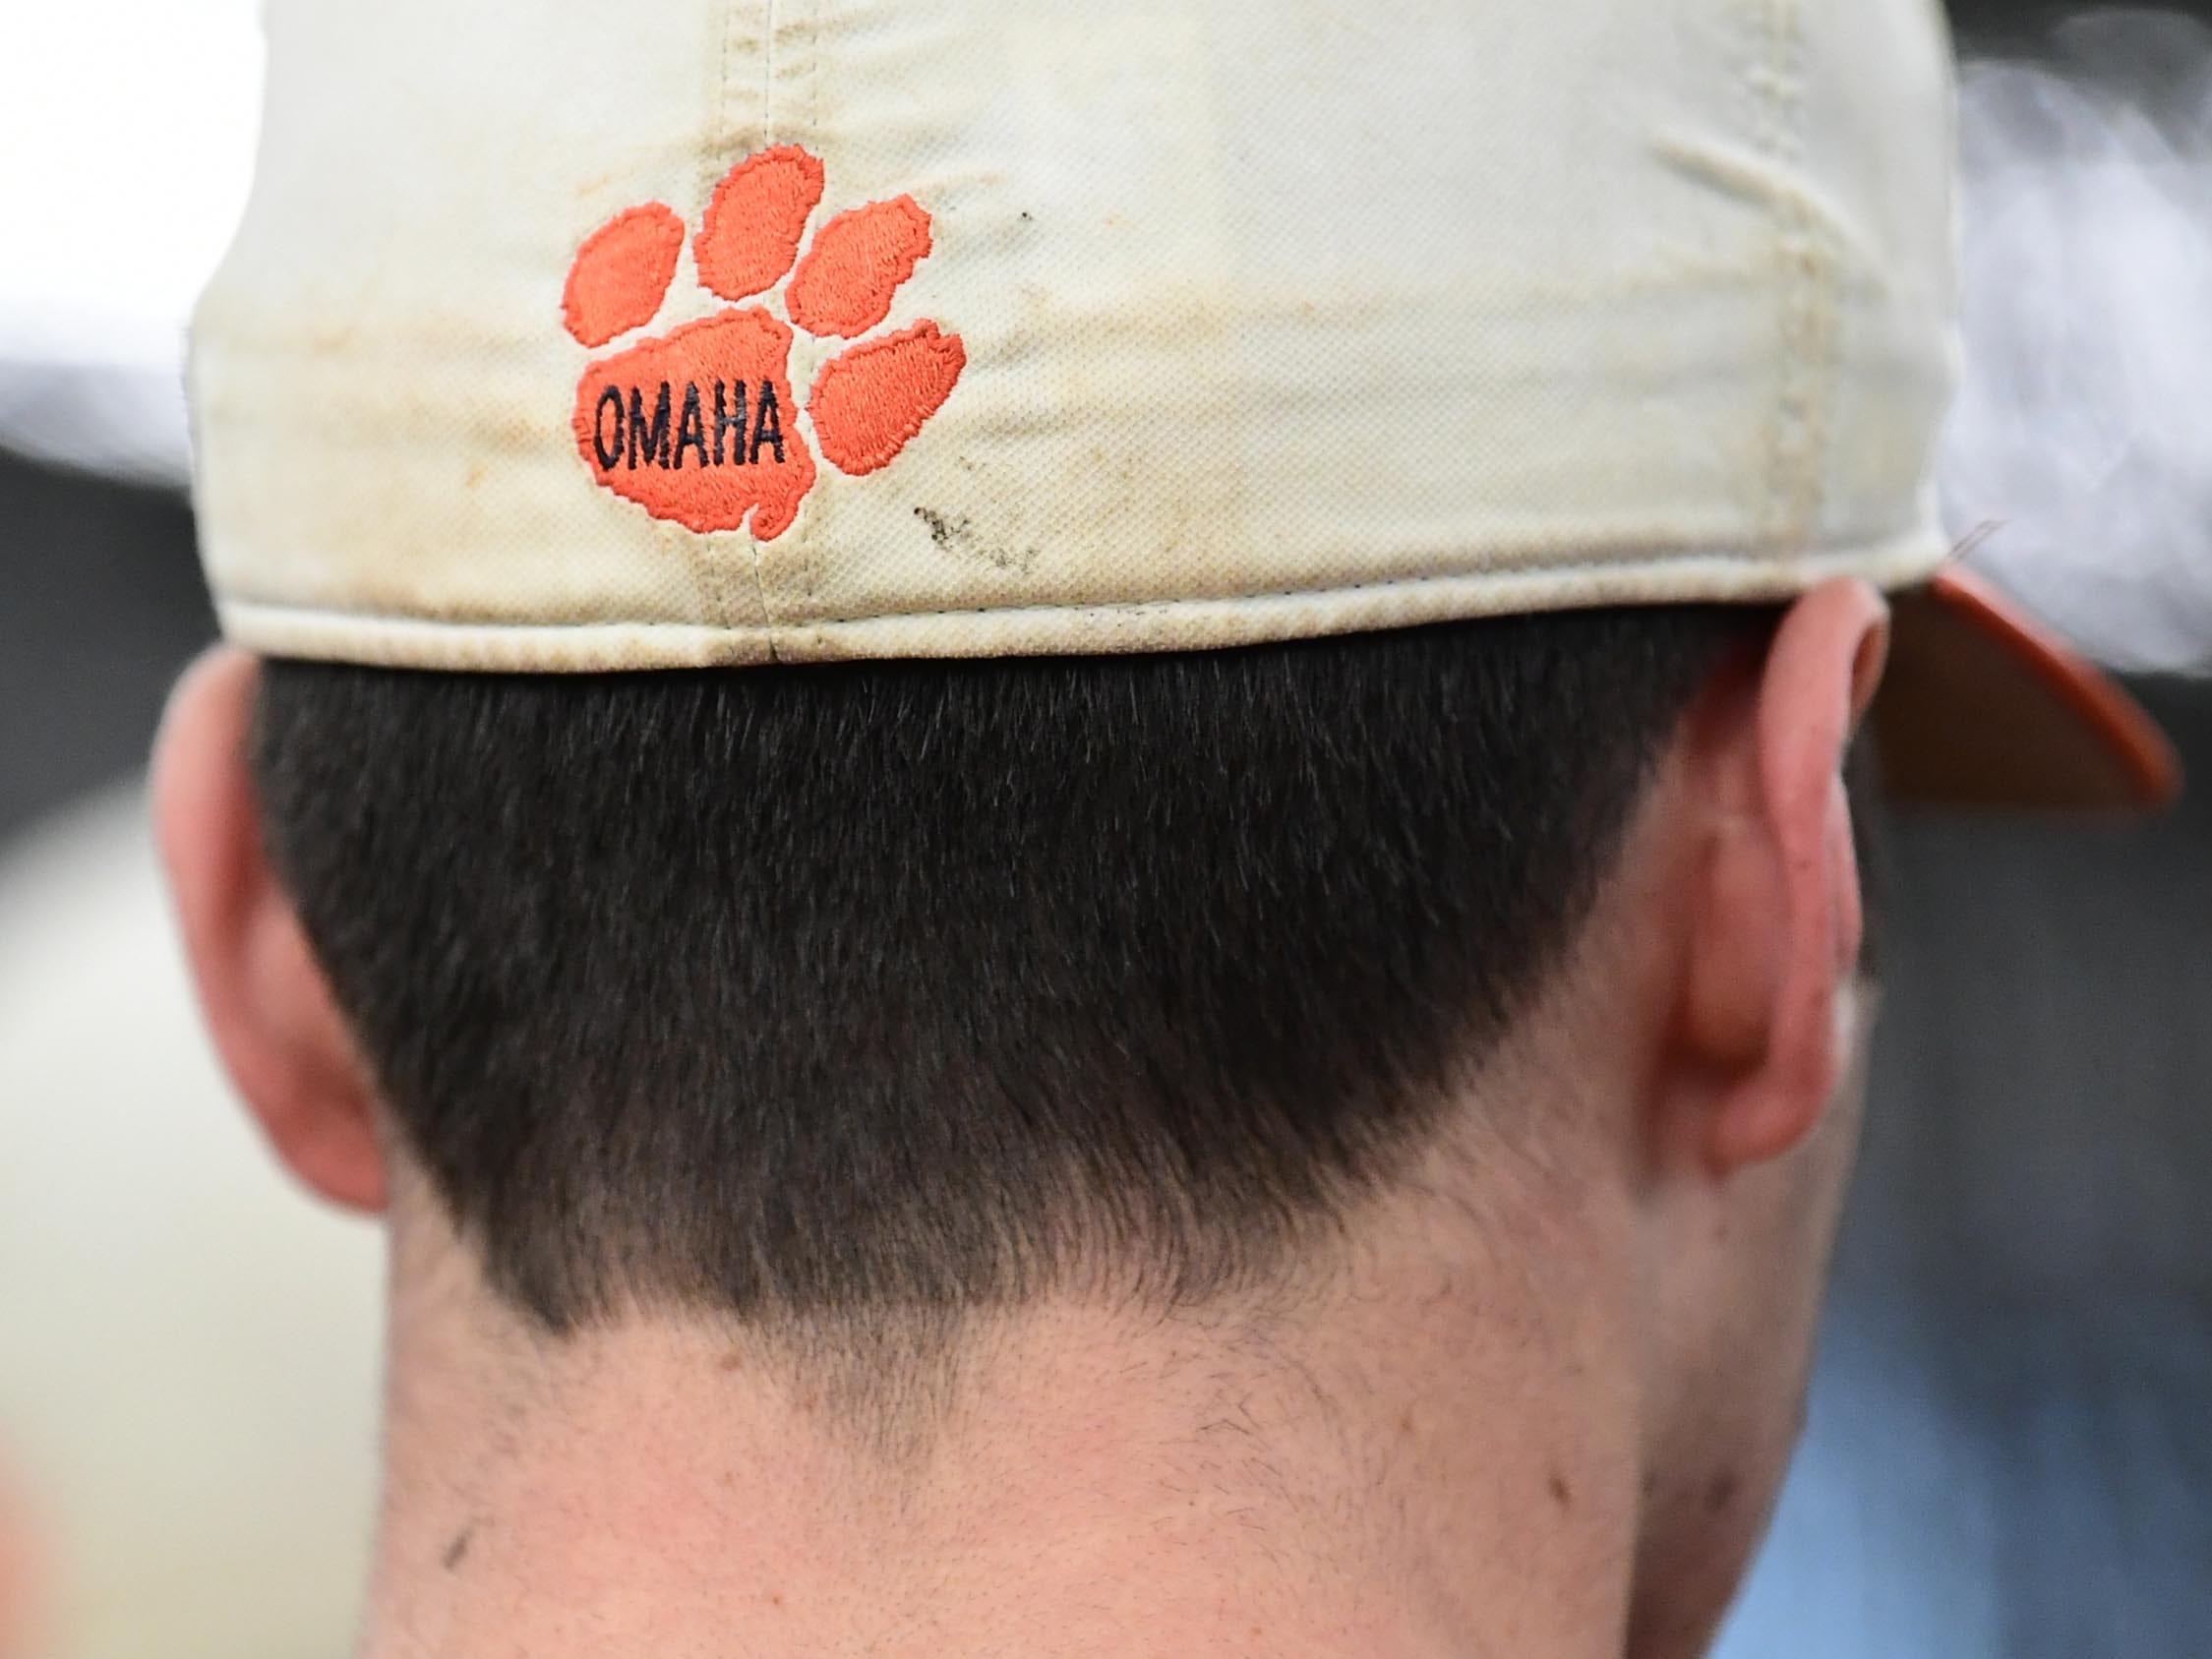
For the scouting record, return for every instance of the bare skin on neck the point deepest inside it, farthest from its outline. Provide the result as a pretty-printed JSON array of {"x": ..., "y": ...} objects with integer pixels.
[{"x": 1096, "y": 1481}]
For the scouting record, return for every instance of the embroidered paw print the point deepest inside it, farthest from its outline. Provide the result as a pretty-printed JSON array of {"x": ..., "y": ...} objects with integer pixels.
[{"x": 699, "y": 425}]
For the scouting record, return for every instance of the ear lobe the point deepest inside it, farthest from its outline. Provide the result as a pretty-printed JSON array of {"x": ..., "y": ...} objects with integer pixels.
[
  {"x": 265, "y": 1000},
  {"x": 1767, "y": 1005}
]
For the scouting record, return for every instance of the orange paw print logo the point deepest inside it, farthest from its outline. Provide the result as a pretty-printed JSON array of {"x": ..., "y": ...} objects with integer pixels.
[{"x": 699, "y": 425}]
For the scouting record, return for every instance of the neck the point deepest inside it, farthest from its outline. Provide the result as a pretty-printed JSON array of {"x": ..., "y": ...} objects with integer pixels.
[{"x": 1090, "y": 1481}]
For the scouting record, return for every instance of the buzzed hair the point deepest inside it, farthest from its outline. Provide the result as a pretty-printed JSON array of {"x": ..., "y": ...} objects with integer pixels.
[{"x": 827, "y": 991}]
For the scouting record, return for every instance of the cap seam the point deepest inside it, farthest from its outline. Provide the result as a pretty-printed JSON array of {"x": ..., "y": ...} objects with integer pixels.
[
  {"x": 767, "y": 141},
  {"x": 1841, "y": 553},
  {"x": 766, "y": 122},
  {"x": 1805, "y": 263},
  {"x": 802, "y": 571}
]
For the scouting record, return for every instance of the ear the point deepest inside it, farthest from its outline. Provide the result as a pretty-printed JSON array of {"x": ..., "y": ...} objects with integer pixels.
[
  {"x": 265, "y": 999},
  {"x": 1769, "y": 1011}
]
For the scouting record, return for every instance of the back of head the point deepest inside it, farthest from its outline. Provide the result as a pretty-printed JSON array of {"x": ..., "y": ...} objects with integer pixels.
[
  {"x": 930, "y": 669},
  {"x": 893, "y": 993}
]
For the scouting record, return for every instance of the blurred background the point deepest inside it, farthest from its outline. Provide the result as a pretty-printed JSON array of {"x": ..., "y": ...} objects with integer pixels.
[{"x": 2009, "y": 1454}]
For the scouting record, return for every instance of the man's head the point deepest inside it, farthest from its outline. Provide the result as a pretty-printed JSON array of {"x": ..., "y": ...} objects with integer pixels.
[
  {"x": 860, "y": 1009},
  {"x": 986, "y": 659}
]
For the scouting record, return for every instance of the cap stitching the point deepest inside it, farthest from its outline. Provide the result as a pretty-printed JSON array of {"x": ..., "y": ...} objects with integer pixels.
[
  {"x": 767, "y": 72},
  {"x": 1841, "y": 552},
  {"x": 1806, "y": 263},
  {"x": 767, "y": 140},
  {"x": 713, "y": 568},
  {"x": 804, "y": 555}
]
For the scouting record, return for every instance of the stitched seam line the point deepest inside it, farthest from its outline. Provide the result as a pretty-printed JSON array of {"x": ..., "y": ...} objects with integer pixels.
[
  {"x": 1804, "y": 264},
  {"x": 768, "y": 74},
  {"x": 806, "y": 556},
  {"x": 767, "y": 141},
  {"x": 724, "y": 132},
  {"x": 1840, "y": 552}
]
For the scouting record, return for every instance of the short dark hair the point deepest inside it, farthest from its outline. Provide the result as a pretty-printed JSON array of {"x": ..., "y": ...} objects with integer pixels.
[{"x": 796, "y": 991}]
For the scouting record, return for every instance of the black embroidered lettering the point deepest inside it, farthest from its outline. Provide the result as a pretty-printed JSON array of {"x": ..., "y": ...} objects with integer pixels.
[
  {"x": 649, "y": 442},
  {"x": 769, "y": 426},
  {"x": 725, "y": 422},
  {"x": 692, "y": 432},
  {"x": 609, "y": 458}
]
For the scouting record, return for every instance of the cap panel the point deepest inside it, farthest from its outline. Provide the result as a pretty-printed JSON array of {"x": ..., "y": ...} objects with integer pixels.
[
  {"x": 381, "y": 372},
  {"x": 1267, "y": 304},
  {"x": 1259, "y": 300},
  {"x": 1069, "y": 162}
]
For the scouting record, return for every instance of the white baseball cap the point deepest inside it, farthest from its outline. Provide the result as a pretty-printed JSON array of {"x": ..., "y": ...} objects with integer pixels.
[{"x": 577, "y": 337}]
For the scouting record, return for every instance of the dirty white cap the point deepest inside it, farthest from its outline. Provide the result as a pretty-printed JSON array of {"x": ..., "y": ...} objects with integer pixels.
[{"x": 566, "y": 337}]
